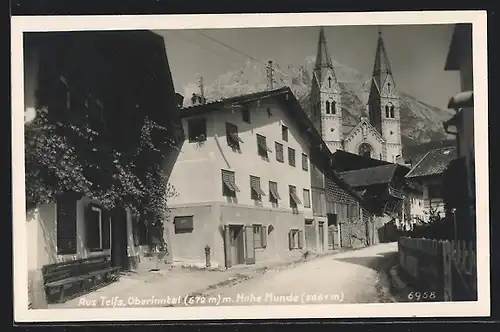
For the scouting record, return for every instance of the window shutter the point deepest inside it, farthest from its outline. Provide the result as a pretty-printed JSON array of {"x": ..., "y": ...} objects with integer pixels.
[
  {"x": 300, "y": 239},
  {"x": 264, "y": 236},
  {"x": 290, "y": 240},
  {"x": 66, "y": 225},
  {"x": 106, "y": 232}
]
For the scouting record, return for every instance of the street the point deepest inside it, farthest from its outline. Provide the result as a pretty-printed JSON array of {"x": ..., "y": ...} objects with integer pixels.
[{"x": 349, "y": 277}]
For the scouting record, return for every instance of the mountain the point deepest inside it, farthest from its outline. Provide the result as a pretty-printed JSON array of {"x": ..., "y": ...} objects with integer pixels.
[{"x": 420, "y": 122}]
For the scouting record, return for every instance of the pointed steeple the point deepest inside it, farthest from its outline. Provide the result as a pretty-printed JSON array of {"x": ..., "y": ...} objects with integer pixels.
[
  {"x": 381, "y": 68},
  {"x": 323, "y": 60}
]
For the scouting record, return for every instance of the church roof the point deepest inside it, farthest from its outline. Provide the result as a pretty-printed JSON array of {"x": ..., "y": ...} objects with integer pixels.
[
  {"x": 381, "y": 67},
  {"x": 346, "y": 161},
  {"x": 369, "y": 176},
  {"x": 323, "y": 60},
  {"x": 433, "y": 162}
]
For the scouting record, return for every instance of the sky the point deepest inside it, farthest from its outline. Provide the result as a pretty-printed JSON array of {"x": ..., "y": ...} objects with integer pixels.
[{"x": 417, "y": 53}]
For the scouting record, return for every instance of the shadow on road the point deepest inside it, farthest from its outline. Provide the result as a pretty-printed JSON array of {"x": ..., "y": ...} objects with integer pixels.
[{"x": 372, "y": 262}]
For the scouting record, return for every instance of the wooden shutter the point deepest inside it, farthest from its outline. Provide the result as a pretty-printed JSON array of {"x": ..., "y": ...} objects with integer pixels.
[
  {"x": 264, "y": 236},
  {"x": 227, "y": 246},
  {"x": 290, "y": 239},
  {"x": 66, "y": 225},
  {"x": 106, "y": 232},
  {"x": 300, "y": 239},
  {"x": 249, "y": 245}
]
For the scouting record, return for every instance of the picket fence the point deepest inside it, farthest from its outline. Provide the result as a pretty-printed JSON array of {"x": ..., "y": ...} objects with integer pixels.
[{"x": 446, "y": 269}]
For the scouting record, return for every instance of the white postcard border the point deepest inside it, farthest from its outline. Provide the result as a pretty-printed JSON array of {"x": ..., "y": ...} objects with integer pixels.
[{"x": 20, "y": 24}]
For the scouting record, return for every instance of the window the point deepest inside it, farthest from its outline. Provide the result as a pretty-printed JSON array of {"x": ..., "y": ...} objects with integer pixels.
[
  {"x": 291, "y": 157},
  {"x": 392, "y": 111},
  {"x": 229, "y": 187},
  {"x": 352, "y": 211},
  {"x": 245, "y": 114},
  {"x": 98, "y": 231},
  {"x": 273, "y": 193},
  {"x": 66, "y": 225},
  {"x": 333, "y": 107},
  {"x": 233, "y": 139},
  {"x": 295, "y": 239},
  {"x": 256, "y": 191},
  {"x": 262, "y": 148},
  {"x": 307, "y": 198},
  {"x": 327, "y": 107},
  {"x": 279, "y": 152},
  {"x": 434, "y": 191},
  {"x": 305, "y": 163},
  {"x": 284, "y": 133},
  {"x": 197, "y": 130},
  {"x": 365, "y": 150},
  {"x": 387, "y": 114},
  {"x": 294, "y": 199},
  {"x": 259, "y": 236},
  {"x": 183, "y": 224}
]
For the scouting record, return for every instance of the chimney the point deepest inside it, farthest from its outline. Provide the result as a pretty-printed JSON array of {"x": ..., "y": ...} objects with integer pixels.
[
  {"x": 194, "y": 99},
  {"x": 179, "y": 100}
]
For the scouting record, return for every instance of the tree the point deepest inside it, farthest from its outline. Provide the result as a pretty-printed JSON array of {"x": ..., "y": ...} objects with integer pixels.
[{"x": 72, "y": 154}]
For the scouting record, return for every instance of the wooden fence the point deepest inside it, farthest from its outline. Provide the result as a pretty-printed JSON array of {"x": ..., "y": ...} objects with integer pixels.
[{"x": 447, "y": 269}]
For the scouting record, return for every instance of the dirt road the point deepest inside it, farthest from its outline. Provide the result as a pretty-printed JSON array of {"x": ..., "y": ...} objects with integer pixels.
[{"x": 349, "y": 277}]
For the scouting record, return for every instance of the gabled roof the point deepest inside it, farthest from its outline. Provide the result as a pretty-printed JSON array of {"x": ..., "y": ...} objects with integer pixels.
[
  {"x": 369, "y": 176},
  {"x": 369, "y": 125},
  {"x": 293, "y": 108},
  {"x": 433, "y": 162},
  {"x": 345, "y": 161}
]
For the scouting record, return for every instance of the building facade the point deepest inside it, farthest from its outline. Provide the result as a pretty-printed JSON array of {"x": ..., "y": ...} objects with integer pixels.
[
  {"x": 462, "y": 123},
  {"x": 426, "y": 180},
  {"x": 62, "y": 77},
  {"x": 378, "y": 133},
  {"x": 244, "y": 185}
]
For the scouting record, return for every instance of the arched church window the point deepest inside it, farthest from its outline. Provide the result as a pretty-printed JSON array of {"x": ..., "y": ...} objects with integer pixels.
[
  {"x": 333, "y": 107},
  {"x": 365, "y": 150},
  {"x": 327, "y": 107},
  {"x": 392, "y": 111},
  {"x": 387, "y": 114}
]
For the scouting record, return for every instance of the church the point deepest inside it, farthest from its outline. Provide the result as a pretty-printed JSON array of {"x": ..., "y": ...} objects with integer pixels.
[{"x": 377, "y": 136}]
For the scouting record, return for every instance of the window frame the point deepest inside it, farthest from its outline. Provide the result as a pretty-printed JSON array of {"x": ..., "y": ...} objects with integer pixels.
[
  {"x": 284, "y": 133},
  {"x": 280, "y": 152},
  {"x": 292, "y": 157},
  {"x": 197, "y": 139},
  {"x": 306, "y": 193},
  {"x": 305, "y": 162}
]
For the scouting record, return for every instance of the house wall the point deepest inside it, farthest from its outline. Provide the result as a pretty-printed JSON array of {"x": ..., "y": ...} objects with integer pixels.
[{"x": 197, "y": 179}]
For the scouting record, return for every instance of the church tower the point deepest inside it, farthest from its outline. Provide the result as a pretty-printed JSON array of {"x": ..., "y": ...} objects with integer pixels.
[
  {"x": 384, "y": 104},
  {"x": 326, "y": 104}
]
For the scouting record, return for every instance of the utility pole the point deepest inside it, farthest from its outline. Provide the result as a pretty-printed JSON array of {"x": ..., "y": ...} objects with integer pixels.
[{"x": 270, "y": 75}]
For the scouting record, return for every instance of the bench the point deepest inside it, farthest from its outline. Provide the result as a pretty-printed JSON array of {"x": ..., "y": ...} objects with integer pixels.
[{"x": 68, "y": 279}]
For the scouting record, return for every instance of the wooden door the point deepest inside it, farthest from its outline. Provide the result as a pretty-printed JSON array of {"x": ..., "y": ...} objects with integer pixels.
[
  {"x": 310, "y": 235},
  {"x": 321, "y": 232},
  {"x": 119, "y": 239},
  {"x": 249, "y": 245}
]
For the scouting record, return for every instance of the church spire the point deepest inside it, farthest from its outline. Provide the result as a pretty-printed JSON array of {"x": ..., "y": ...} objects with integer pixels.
[
  {"x": 381, "y": 68},
  {"x": 323, "y": 60}
]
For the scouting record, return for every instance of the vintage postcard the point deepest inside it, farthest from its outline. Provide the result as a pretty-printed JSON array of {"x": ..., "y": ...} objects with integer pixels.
[{"x": 198, "y": 167}]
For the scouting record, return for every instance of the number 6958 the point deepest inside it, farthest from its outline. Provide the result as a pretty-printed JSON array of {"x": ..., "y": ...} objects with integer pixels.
[{"x": 419, "y": 296}]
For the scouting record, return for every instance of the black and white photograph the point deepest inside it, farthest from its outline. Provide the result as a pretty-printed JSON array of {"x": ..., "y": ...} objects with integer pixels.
[{"x": 197, "y": 170}]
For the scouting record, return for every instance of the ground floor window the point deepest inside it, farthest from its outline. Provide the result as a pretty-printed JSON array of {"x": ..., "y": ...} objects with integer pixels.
[
  {"x": 98, "y": 228},
  {"x": 259, "y": 236}
]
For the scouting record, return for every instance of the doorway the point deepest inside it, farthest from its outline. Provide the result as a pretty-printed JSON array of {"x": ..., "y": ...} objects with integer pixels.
[
  {"x": 321, "y": 231},
  {"x": 236, "y": 244},
  {"x": 119, "y": 239},
  {"x": 310, "y": 235}
]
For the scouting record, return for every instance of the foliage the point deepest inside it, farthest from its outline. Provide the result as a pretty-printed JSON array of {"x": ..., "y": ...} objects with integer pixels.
[{"x": 74, "y": 154}]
